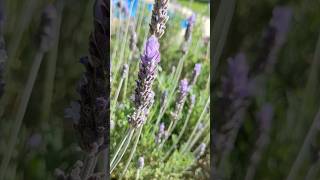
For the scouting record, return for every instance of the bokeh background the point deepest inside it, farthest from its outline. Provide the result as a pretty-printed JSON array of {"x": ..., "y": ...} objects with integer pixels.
[{"x": 282, "y": 141}]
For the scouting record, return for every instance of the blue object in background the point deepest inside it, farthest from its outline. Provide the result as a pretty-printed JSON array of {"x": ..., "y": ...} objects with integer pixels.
[
  {"x": 150, "y": 7},
  {"x": 117, "y": 12},
  {"x": 134, "y": 7},
  {"x": 184, "y": 24}
]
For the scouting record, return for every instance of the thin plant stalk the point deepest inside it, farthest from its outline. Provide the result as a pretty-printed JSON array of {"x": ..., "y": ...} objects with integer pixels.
[
  {"x": 24, "y": 20},
  {"x": 51, "y": 67},
  {"x": 118, "y": 34},
  {"x": 123, "y": 150},
  {"x": 141, "y": 18},
  {"x": 117, "y": 93},
  {"x": 312, "y": 79},
  {"x": 127, "y": 77},
  {"x": 220, "y": 30},
  {"x": 197, "y": 124},
  {"x": 20, "y": 113},
  {"x": 121, "y": 144},
  {"x": 138, "y": 174},
  {"x": 133, "y": 150},
  {"x": 197, "y": 136},
  {"x": 180, "y": 134},
  {"x": 304, "y": 149},
  {"x": 313, "y": 171},
  {"x": 125, "y": 37}
]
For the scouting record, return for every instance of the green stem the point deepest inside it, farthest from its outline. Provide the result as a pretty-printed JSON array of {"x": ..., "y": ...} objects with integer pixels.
[
  {"x": 121, "y": 144},
  {"x": 197, "y": 136},
  {"x": 138, "y": 174},
  {"x": 21, "y": 112},
  {"x": 197, "y": 124},
  {"x": 181, "y": 133},
  {"x": 133, "y": 150},
  {"x": 122, "y": 52},
  {"x": 51, "y": 67},
  {"x": 113, "y": 166},
  {"x": 117, "y": 93}
]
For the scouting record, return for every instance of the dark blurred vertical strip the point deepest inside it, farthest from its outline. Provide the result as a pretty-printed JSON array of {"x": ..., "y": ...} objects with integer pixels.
[
  {"x": 221, "y": 18},
  {"x": 3, "y": 53}
]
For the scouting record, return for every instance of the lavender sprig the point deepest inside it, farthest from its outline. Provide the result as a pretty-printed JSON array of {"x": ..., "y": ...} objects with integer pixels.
[
  {"x": 272, "y": 40},
  {"x": 147, "y": 74},
  {"x": 195, "y": 74},
  {"x": 264, "y": 116},
  {"x": 160, "y": 134},
  {"x": 159, "y": 18},
  {"x": 181, "y": 97},
  {"x": 233, "y": 104},
  {"x": 92, "y": 126}
]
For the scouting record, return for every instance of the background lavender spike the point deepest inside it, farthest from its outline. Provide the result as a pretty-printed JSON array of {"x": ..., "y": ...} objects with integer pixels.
[
  {"x": 133, "y": 39},
  {"x": 141, "y": 162},
  {"x": 195, "y": 74},
  {"x": 159, "y": 18},
  {"x": 92, "y": 126},
  {"x": 161, "y": 132},
  {"x": 181, "y": 98},
  {"x": 231, "y": 106},
  {"x": 272, "y": 40},
  {"x": 48, "y": 22},
  {"x": 264, "y": 116}
]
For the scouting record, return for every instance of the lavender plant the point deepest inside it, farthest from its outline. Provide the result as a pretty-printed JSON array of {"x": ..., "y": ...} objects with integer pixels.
[{"x": 159, "y": 126}]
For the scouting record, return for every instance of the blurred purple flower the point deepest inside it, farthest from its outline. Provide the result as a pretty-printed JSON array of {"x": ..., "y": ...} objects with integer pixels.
[
  {"x": 272, "y": 40},
  {"x": 195, "y": 73},
  {"x": 235, "y": 85},
  {"x": 265, "y": 116},
  {"x": 281, "y": 21},
  {"x": 34, "y": 140},
  {"x": 140, "y": 162},
  {"x": 73, "y": 112},
  {"x": 184, "y": 87}
]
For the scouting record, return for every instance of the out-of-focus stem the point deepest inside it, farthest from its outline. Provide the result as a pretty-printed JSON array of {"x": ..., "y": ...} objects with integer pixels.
[
  {"x": 20, "y": 113},
  {"x": 117, "y": 160},
  {"x": 51, "y": 66},
  {"x": 197, "y": 124},
  {"x": 133, "y": 150}
]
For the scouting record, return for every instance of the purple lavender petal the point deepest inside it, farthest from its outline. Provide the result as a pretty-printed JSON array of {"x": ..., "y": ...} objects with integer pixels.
[
  {"x": 265, "y": 116},
  {"x": 197, "y": 69},
  {"x": 151, "y": 52},
  {"x": 184, "y": 85}
]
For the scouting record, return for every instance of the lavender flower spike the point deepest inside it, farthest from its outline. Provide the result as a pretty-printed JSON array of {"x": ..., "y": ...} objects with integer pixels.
[
  {"x": 140, "y": 162},
  {"x": 143, "y": 97},
  {"x": 161, "y": 133},
  {"x": 159, "y": 18},
  {"x": 181, "y": 98},
  {"x": 195, "y": 74},
  {"x": 94, "y": 103}
]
